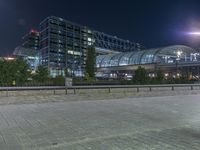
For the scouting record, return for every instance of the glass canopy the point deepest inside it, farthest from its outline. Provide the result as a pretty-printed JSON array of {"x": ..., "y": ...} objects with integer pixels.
[{"x": 170, "y": 54}]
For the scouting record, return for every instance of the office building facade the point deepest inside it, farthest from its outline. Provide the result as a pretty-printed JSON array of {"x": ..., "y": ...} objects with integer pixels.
[{"x": 64, "y": 44}]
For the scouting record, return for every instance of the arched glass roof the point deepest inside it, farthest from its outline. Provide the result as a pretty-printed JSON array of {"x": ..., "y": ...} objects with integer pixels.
[
  {"x": 148, "y": 56},
  {"x": 170, "y": 54},
  {"x": 124, "y": 60},
  {"x": 135, "y": 58},
  {"x": 106, "y": 61},
  {"x": 115, "y": 59}
]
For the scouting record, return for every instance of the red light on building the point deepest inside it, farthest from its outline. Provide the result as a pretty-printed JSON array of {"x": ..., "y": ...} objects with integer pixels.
[{"x": 34, "y": 31}]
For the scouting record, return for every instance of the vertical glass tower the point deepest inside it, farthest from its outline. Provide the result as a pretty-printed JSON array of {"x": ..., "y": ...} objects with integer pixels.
[{"x": 31, "y": 40}]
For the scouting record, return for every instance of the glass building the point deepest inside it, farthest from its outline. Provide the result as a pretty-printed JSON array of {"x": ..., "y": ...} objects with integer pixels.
[
  {"x": 29, "y": 49},
  {"x": 164, "y": 55},
  {"x": 172, "y": 60},
  {"x": 31, "y": 56},
  {"x": 64, "y": 44}
]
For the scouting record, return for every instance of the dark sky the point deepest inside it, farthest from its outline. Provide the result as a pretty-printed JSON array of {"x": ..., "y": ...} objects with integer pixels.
[{"x": 153, "y": 23}]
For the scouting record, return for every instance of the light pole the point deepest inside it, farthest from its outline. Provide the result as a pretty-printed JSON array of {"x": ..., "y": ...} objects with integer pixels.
[
  {"x": 196, "y": 35},
  {"x": 68, "y": 79}
]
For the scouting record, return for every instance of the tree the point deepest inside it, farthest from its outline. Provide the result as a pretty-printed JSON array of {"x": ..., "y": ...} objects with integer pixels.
[
  {"x": 185, "y": 77},
  {"x": 5, "y": 76},
  {"x": 91, "y": 62},
  {"x": 140, "y": 76},
  {"x": 42, "y": 74},
  {"x": 159, "y": 76},
  {"x": 14, "y": 71},
  {"x": 23, "y": 71}
]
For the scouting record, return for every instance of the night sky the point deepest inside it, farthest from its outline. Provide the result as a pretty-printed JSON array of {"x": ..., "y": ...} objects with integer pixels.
[{"x": 153, "y": 23}]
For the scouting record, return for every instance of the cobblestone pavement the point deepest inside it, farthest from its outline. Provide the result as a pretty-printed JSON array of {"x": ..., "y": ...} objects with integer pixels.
[{"x": 150, "y": 123}]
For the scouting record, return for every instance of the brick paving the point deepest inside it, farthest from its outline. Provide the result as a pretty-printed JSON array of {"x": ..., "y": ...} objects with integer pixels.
[{"x": 148, "y": 123}]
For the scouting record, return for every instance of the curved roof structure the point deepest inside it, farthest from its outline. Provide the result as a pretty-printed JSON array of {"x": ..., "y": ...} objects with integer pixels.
[{"x": 170, "y": 54}]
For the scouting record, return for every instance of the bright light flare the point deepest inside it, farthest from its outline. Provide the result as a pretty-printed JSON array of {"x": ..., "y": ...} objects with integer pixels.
[
  {"x": 179, "y": 53},
  {"x": 194, "y": 33}
]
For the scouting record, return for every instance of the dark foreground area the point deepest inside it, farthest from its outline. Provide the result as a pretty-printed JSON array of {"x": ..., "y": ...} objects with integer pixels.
[{"x": 170, "y": 122}]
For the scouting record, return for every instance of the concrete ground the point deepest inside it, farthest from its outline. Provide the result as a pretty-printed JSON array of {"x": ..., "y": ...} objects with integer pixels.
[{"x": 150, "y": 123}]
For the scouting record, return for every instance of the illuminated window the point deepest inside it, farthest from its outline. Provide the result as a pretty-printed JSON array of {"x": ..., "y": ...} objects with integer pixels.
[
  {"x": 70, "y": 52},
  {"x": 77, "y": 53},
  {"x": 90, "y": 39}
]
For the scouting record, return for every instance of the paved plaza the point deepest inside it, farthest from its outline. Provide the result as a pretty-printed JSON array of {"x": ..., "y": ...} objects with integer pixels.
[{"x": 150, "y": 123}]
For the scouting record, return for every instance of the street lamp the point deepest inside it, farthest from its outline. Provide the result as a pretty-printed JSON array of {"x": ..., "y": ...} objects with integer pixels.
[{"x": 178, "y": 54}]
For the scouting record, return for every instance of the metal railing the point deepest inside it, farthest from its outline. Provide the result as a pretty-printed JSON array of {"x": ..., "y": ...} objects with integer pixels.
[{"x": 108, "y": 87}]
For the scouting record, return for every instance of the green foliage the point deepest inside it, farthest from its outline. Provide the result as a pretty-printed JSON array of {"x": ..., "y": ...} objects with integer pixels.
[
  {"x": 14, "y": 72},
  {"x": 140, "y": 76},
  {"x": 88, "y": 78},
  {"x": 186, "y": 76},
  {"x": 23, "y": 72},
  {"x": 59, "y": 80},
  {"x": 90, "y": 62},
  {"x": 159, "y": 75},
  {"x": 180, "y": 80},
  {"x": 41, "y": 74}
]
